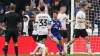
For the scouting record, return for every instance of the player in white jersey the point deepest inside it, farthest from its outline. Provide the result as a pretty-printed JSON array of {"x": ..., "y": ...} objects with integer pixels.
[
  {"x": 42, "y": 20},
  {"x": 64, "y": 19},
  {"x": 80, "y": 27}
]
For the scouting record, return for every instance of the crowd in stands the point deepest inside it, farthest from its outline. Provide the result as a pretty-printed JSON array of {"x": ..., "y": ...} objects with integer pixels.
[{"x": 29, "y": 8}]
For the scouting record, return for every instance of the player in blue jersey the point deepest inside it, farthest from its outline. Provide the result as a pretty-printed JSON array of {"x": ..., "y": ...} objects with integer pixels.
[{"x": 54, "y": 34}]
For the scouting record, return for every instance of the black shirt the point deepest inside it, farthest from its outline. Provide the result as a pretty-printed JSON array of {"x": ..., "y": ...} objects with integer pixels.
[{"x": 11, "y": 19}]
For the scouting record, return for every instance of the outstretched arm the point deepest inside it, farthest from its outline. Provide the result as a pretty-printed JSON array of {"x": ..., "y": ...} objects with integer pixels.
[{"x": 2, "y": 28}]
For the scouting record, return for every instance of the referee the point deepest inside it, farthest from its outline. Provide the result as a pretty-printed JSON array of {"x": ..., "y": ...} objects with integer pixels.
[{"x": 11, "y": 20}]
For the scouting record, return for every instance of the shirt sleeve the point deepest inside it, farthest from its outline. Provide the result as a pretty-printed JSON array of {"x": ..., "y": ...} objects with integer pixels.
[
  {"x": 78, "y": 15},
  {"x": 49, "y": 20},
  {"x": 36, "y": 19},
  {"x": 59, "y": 17}
]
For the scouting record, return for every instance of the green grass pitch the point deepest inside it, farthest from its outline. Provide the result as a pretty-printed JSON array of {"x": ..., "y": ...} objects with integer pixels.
[{"x": 58, "y": 55}]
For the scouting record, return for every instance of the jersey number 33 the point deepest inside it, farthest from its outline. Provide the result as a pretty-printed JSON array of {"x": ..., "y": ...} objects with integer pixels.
[{"x": 43, "y": 22}]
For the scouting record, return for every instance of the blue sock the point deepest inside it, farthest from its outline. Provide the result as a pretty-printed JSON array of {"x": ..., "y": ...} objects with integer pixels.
[{"x": 59, "y": 47}]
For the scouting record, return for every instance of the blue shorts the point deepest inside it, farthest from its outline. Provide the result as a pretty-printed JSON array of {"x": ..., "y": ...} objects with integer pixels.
[{"x": 58, "y": 36}]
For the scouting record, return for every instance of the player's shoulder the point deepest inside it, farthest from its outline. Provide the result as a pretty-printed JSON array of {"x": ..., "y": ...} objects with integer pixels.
[
  {"x": 80, "y": 12},
  {"x": 43, "y": 14},
  {"x": 14, "y": 14},
  {"x": 59, "y": 14}
]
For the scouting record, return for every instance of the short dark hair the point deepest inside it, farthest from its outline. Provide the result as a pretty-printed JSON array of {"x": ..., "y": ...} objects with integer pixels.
[
  {"x": 63, "y": 6},
  {"x": 55, "y": 11},
  {"x": 83, "y": 5},
  {"x": 42, "y": 8},
  {"x": 12, "y": 7}
]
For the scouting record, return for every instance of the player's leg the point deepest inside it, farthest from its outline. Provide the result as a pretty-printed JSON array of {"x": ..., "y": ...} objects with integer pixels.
[
  {"x": 84, "y": 35},
  {"x": 36, "y": 50},
  {"x": 75, "y": 35},
  {"x": 44, "y": 47},
  {"x": 7, "y": 39},
  {"x": 60, "y": 42},
  {"x": 57, "y": 43},
  {"x": 35, "y": 37},
  {"x": 65, "y": 37},
  {"x": 88, "y": 45},
  {"x": 15, "y": 40},
  {"x": 42, "y": 42}
]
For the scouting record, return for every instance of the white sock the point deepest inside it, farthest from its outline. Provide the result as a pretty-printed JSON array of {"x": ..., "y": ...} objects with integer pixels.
[
  {"x": 43, "y": 50},
  {"x": 88, "y": 47},
  {"x": 65, "y": 48},
  {"x": 36, "y": 49},
  {"x": 68, "y": 44}
]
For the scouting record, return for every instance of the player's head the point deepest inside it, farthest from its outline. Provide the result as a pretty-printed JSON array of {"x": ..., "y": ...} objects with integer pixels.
[
  {"x": 42, "y": 8},
  {"x": 12, "y": 7},
  {"x": 84, "y": 6},
  {"x": 55, "y": 14},
  {"x": 63, "y": 9}
]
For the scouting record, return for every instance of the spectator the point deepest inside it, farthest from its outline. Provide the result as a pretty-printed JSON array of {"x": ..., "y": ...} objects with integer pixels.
[
  {"x": 25, "y": 25},
  {"x": 37, "y": 3},
  {"x": 66, "y": 3},
  {"x": 1, "y": 15},
  {"x": 55, "y": 6},
  {"x": 48, "y": 2},
  {"x": 1, "y": 20},
  {"x": 28, "y": 12},
  {"x": 41, "y": 2},
  {"x": 20, "y": 5},
  {"x": 30, "y": 25},
  {"x": 4, "y": 4},
  {"x": 33, "y": 8},
  {"x": 77, "y": 7}
]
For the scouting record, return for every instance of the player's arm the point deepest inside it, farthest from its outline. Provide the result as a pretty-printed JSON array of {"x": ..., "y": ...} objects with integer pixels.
[
  {"x": 3, "y": 28},
  {"x": 82, "y": 20},
  {"x": 19, "y": 20},
  {"x": 60, "y": 26},
  {"x": 69, "y": 20},
  {"x": 49, "y": 29},
  {"x": 49, "y": 25}
]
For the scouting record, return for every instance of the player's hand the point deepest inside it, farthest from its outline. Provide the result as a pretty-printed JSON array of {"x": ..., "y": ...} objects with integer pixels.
[
  {"x": 74, "y": 19},
  {"x": 3, "y": 28},
  {"x": 19, "y": 33},
  {"x": 50, "y": 35},
  {"x": 88, "y": 21}
]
